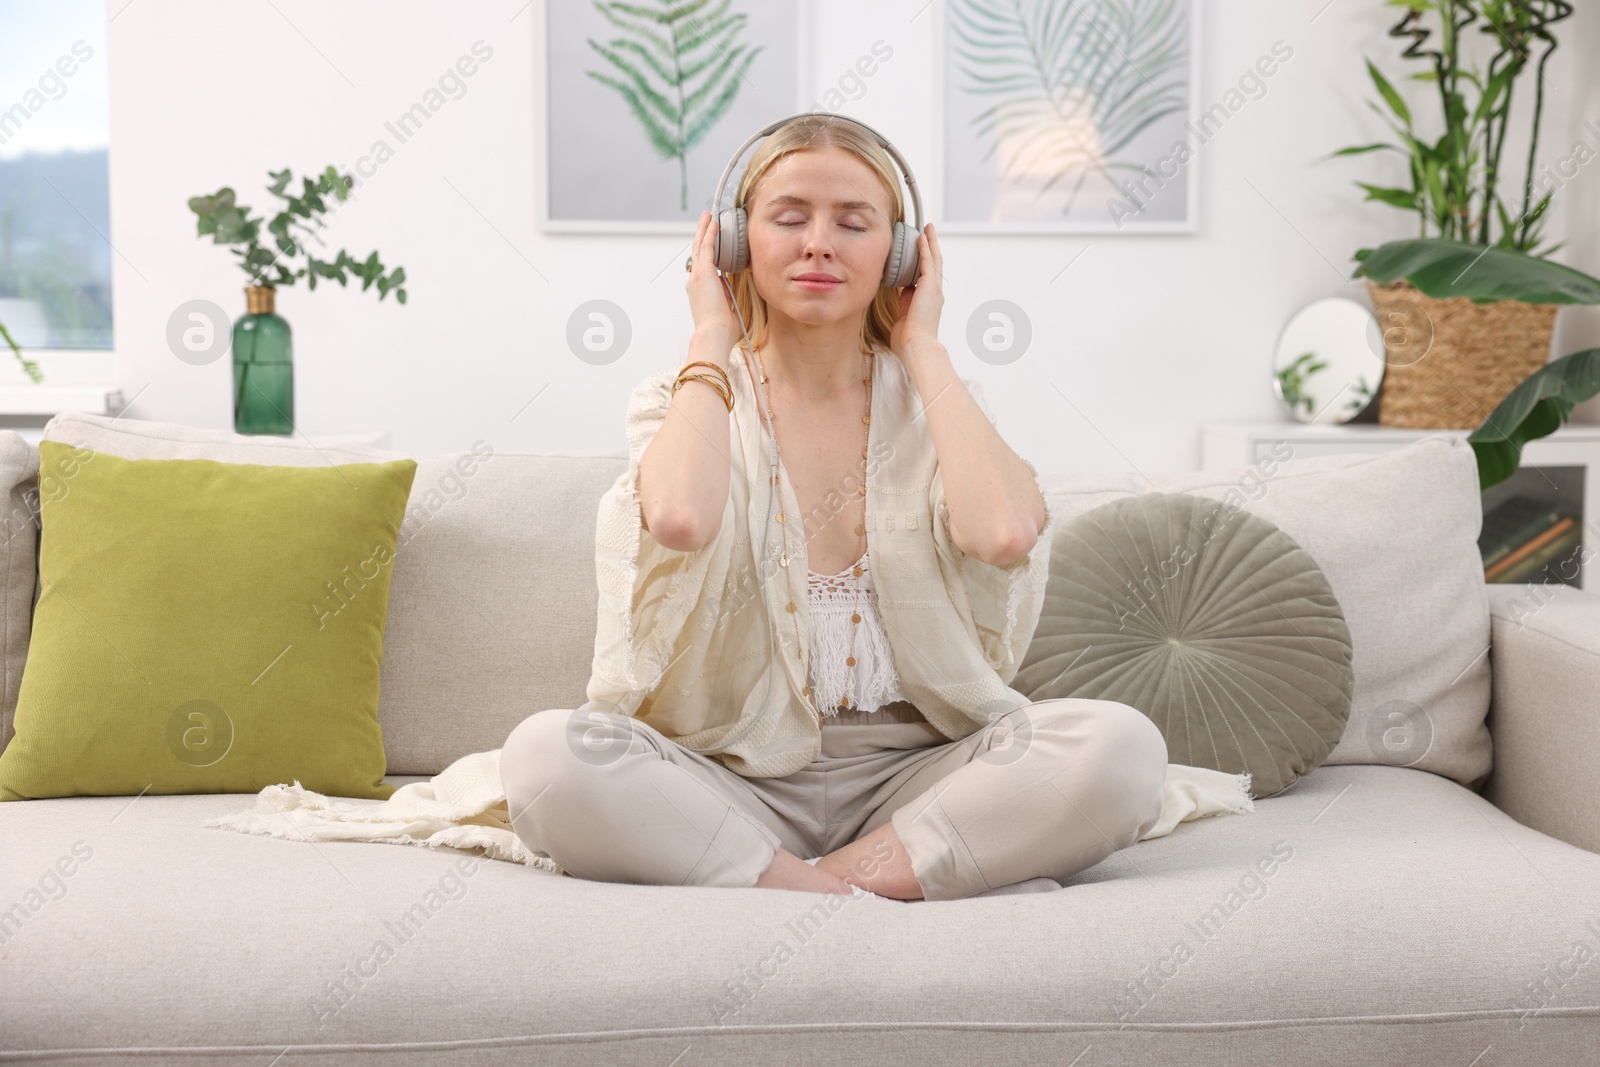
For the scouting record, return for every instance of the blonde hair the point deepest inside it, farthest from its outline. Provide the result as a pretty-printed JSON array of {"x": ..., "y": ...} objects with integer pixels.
[{"x": 814, "y": 131}]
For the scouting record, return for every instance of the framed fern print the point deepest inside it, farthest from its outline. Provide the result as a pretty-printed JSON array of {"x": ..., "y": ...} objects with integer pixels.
[
  {"x": 645, "y": 100},
  {"x": 1067, "y": 116}
]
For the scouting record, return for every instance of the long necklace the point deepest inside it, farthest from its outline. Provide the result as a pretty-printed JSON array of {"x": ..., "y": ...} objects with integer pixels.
[{"x": 861, "y": 529}]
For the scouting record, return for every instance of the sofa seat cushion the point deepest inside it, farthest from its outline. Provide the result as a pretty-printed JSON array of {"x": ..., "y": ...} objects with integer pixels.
[{"x": 1373, "y": 913}]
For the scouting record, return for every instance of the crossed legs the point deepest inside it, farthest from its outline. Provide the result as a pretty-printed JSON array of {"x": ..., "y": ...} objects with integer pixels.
[{"x": 1048, "y": 789}]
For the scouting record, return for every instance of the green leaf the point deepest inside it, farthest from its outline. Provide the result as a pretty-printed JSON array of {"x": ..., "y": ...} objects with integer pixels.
[
  {"x": 1441, "y": 206},
  {"x": 1396, "y": 103},
  {"x": 221, "y": 200},
  {"x": 1490, "y": 98},
  {"x": 1535, "y": 408},
  {"x": 1405, "y": 198},
  {"x": 1442, "y": 269},
  {"x": 1508, "y": 227},
  {"x": 1359, "y": 149}
]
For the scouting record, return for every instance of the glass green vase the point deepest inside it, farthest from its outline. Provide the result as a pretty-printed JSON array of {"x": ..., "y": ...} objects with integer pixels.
[{"x": 263, "y": 367}]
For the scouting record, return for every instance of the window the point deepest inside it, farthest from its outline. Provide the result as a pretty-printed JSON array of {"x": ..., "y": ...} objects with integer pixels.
[{"x": 55, "y": 230}]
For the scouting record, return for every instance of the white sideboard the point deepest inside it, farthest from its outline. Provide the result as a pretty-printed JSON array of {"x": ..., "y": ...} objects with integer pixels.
[{"x": 1562, "y": 469}]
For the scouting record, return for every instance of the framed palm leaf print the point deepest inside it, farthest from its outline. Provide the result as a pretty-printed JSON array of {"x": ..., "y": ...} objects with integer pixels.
[
  {"x": 1067, "y": 116},
  {"x": 646, "y": 100}
]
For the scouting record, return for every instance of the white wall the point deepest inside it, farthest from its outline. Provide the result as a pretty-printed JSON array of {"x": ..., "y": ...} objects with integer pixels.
[{"x": 1148, "y": 336}]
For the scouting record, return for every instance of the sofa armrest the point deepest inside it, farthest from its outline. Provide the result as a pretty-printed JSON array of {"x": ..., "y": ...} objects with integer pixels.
[{"x": 1544, "y": 710}]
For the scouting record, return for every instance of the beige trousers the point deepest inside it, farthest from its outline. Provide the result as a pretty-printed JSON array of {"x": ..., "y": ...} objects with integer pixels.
[{"x": 1048, "y": 789}]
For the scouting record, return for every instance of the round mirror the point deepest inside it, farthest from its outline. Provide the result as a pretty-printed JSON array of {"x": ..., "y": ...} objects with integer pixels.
[{"x": 1329, "y": 361}]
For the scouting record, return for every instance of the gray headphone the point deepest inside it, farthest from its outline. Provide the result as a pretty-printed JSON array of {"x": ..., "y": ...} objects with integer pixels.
[{"x": 733, "y": 235}]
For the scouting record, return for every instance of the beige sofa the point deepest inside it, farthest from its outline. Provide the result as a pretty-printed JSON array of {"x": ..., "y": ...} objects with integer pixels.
[{"x": 1383, "y": 910}]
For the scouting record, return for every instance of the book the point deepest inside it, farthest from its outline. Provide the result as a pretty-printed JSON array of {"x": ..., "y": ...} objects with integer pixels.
[
  {"x": 1513, "y": 523},
  {"x": 1511, "y": 561},
  {"x": 1555, "y": 551}
]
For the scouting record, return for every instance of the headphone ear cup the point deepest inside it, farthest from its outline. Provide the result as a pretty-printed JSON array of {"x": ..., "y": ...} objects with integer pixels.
[
  {"x": 901, "y": 269},
  {"x": 733, "y": 245}
]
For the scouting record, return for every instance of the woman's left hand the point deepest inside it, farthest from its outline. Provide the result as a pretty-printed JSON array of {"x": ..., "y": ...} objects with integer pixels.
[{"x": 921, "y": 303}]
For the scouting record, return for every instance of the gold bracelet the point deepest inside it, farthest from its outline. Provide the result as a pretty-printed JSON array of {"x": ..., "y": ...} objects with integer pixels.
[
  {"x": 727, "y": 398},
  {"x": 723, "y": 387},
  {"x": 720, "y": 372},
  {"x": 727, "y": 392}
]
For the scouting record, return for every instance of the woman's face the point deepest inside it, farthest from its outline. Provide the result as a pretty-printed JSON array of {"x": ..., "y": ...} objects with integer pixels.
[{"x": 820, "y": 211}]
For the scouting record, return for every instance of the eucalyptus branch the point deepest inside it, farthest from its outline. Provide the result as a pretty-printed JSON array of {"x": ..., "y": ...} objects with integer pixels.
[
  {"x": 28, "y": 365},
  {"x": 291, "y": 230}
]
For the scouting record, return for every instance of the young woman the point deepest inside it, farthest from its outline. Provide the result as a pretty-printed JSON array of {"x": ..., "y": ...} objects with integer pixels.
[{"x": 853, "y": 727}]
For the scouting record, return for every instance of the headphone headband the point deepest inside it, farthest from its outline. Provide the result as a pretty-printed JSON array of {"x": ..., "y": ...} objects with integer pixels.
[{"x": 883, "y": 142}]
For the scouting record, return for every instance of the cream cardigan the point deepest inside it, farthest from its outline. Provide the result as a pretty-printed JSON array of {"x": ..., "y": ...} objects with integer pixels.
[{"x": 680, "y": 642}]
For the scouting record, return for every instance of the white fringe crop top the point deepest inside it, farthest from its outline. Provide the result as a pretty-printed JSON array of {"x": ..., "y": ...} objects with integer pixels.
[{"x": 873, "y": 681}]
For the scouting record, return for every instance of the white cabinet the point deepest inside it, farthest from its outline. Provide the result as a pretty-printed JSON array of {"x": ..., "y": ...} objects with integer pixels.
[{"x": 1559, "y": 477}]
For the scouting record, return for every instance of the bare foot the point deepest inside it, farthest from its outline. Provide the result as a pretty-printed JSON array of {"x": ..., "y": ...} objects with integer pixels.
[
  {"x": 877, "y": 862},
  {"x": 789, "y": 871}
]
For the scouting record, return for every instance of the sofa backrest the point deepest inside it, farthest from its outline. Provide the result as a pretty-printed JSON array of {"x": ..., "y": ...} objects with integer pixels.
[{"x": 492, "y": 604}]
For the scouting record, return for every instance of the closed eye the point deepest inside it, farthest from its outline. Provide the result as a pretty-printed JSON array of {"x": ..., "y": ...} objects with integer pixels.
[{"x": 858, "y": 229}]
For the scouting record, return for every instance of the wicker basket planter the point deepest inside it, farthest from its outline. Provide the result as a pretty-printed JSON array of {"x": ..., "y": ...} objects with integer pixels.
[{"x": 1450, "y": 362}]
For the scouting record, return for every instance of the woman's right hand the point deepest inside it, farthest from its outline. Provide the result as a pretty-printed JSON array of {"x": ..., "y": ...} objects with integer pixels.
[{"x": 709, "y": 302}]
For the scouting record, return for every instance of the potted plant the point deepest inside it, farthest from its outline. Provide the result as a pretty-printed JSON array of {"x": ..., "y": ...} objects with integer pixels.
[
  {"x": 1473, "y": 292},
  {"x": 263, "y": 371}
]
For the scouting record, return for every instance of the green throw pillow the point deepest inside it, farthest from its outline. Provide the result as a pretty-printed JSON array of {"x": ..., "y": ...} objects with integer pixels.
[
  {"x": 206, "y": 627},
  {"x": 1208, "y": 618}
]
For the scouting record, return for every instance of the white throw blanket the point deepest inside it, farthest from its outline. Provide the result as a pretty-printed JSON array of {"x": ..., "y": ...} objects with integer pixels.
[{"x": 464, "y": 806}]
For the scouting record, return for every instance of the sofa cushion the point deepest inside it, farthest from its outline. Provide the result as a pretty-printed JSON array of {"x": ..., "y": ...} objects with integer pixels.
[
  {"x": 206, "y": 627},
  {"x": 1208, "y": 619},
  {"x": 19, "y": 567},
  {"x": 1396, "y": 535},
  {"x": 1317, "y": 922},
  {"x": 492, "y": 603}
]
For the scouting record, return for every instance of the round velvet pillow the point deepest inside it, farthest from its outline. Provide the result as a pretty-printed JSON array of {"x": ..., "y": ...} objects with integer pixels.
[{"x": 1208, "y": 619}]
